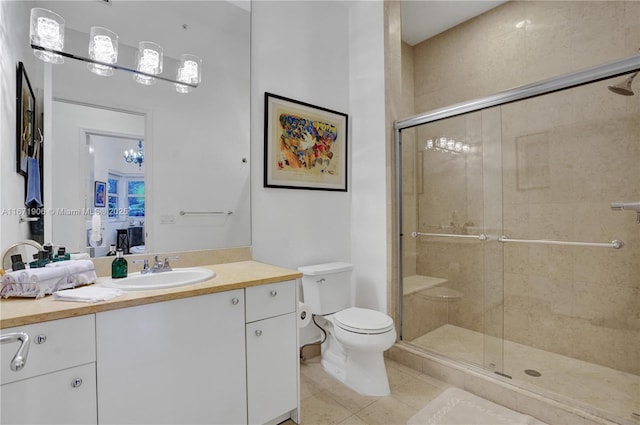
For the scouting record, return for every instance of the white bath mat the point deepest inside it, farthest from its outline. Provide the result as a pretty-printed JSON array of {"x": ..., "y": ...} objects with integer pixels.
[{"x": 457, "y": 407}]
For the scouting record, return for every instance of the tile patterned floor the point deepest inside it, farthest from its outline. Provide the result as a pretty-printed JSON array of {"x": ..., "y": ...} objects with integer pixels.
[{"x": 325, "y": 400}]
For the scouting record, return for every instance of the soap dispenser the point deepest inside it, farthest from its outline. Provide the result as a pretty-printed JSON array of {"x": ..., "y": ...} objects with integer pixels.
[{"x": 119, "y": 266}]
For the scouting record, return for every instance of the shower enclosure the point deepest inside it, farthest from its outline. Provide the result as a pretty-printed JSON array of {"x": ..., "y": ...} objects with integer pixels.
[{"x": 519, "y": 237}]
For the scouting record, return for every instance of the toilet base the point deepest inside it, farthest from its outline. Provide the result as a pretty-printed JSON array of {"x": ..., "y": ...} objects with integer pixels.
[
  {"x": 367, "y": 374},
  {"x": 363, "y": 372}
]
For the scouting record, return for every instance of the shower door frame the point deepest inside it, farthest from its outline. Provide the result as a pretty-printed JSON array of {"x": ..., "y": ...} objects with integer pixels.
[{"x": 540, "y": 88}]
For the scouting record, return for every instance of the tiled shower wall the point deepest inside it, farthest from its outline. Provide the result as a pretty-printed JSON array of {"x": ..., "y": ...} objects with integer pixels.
[{"x": 546, "y": 168}]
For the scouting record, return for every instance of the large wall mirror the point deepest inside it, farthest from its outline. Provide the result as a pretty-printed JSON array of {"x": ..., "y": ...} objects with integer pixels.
[{"x": 192, "y": 189}]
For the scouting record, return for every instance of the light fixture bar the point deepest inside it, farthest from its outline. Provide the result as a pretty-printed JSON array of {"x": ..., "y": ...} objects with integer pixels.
[{"x": 111, "y": 65}]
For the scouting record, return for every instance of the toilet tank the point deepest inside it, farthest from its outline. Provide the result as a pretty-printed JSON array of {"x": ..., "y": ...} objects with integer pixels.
[{"x": 326, "y": 288}]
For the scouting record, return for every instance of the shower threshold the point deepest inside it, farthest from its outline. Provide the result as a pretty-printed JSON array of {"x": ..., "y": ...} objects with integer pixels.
[{"x": 600, "y": 387}]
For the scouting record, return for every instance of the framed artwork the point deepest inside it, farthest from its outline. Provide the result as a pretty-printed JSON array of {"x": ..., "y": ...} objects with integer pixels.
[
  {"x": 305, "y": 146},
  {"x": 25, "y": 119},
  {"x": 100, "y": 194}
]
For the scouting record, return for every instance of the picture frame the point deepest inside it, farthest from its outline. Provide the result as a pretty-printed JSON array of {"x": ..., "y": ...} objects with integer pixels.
[
  {"x": 25, "y": 119},
  {"x": 99, "y": 193},
  {"x": 305, "y": 146}
]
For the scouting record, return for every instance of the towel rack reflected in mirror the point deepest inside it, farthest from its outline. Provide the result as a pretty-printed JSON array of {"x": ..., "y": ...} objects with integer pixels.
[{"x": 206, "y": 212}]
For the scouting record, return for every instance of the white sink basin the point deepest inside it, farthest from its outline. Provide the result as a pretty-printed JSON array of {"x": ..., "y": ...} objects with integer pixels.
[{"x": 176, "y": 277}]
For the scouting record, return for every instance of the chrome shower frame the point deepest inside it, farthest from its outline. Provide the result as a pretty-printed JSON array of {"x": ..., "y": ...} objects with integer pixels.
[{"x": 540, "y": 88}]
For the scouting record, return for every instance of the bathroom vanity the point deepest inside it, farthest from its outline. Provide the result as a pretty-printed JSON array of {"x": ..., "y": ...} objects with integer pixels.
[{"x": 220, "y": 351}]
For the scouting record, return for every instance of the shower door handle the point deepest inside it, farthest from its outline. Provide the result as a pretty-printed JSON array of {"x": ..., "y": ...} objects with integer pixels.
[
  {"x": 627, "y": 206},
  {"x": 631, "y": 206}
]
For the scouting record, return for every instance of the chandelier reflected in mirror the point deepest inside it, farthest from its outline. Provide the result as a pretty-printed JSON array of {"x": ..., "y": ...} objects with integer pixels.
[{"x": 135, "y": 157}]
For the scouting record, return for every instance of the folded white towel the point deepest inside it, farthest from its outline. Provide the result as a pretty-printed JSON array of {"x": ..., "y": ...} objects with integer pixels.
[
  {"x": 39, "y": 282},
  {"x": 81, "y": 256},
  {"x": 11, "y": 286},
  {"x": 30, "y": 290},
  {"x": 10, "y": 278},
  {"x": 88, "y": 294},
  {"x": 81, "y": 272},
  {"x": 74, "y": 266},
  {"x": 42, "y": 274},
  {"x": 82, "y": 278}
]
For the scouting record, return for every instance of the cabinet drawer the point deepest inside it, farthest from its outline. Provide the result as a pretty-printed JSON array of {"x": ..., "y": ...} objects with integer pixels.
[
  {"x": 270, "y": 300},
  {"x": 55, "y": 345},
  {"x": 64, "y": 397}
]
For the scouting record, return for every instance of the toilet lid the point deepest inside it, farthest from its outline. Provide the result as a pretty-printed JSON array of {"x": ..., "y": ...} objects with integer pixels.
[{"x": 363, "y": 320}]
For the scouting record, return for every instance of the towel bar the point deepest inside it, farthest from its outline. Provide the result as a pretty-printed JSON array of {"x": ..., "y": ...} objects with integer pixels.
[{"x": 206, "y": 212}]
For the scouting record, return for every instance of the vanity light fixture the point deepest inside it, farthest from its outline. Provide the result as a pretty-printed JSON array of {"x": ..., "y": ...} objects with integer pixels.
[
  {"x": 447, "y": 145},
  {"x": 46, "y": 33},
  {"x": 103, "y": 47},
  {"x": 189, "y": 71},
  {"x": 149, "y": 61},
  {"x": 135, "y": 157},
  {"x": 46, "y": 30}
]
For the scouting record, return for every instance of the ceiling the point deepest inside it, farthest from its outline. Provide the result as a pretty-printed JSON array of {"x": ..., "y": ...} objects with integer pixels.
[{"x": 422, "y": 19}]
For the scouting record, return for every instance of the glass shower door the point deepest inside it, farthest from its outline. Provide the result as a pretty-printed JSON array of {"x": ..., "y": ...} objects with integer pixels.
[{"x": 452, "y": 272}]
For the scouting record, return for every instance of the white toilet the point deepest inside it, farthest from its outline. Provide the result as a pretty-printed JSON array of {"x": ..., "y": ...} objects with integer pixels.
[{"x": 356, "y": 337}]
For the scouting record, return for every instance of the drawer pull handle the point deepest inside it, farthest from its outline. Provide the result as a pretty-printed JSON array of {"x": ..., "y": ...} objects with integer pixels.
[
  {"x": 273, "y": 292},
  {"x": 235, "y": 301},
  {"x": 322, "y": 280},
  {"x": 20, "y": 359},
  {"x": 75, "y": 383},
  {"x": 40, "y": 339},
  {"x": 259, "y": 332}
]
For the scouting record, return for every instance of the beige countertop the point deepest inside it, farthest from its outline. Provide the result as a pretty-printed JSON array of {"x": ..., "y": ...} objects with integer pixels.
[{"x": 242, "y": 274}]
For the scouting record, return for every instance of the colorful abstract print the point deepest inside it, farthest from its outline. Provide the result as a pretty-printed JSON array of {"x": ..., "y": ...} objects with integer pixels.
[{"x": 306, "y": 144}]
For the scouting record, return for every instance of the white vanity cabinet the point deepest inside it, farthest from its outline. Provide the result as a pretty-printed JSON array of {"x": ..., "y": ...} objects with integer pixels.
[
  {"x": 272, "y": 353},
  {"x": 57, "y": 385},
  {"x": 173, "y": 362},
  {"x": 228, "y": 357}
]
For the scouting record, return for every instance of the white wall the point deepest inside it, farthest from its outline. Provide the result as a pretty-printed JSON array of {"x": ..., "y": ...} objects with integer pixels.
[
  {"x": 14, "y": 48},
  {"x": 299, "y": 50},
  {"x": 369, "y": 174},
  {"x": 329, "y": 54}
]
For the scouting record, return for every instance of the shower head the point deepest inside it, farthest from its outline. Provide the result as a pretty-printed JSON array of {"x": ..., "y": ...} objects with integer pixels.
[{"x": 624, "y": 87}]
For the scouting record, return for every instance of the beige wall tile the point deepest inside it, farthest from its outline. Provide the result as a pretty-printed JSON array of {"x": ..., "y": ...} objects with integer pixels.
[{"x": 581, "y": 151}]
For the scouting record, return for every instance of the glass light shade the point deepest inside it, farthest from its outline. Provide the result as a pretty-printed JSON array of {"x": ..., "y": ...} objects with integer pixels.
[
  {"x": 103, "y": 47},
  {"x": 47, "y": 30},
  {"x": 451, "y": 144},
  {"x": 189, "y": 71},
  {"x": 149, "y": 61}
]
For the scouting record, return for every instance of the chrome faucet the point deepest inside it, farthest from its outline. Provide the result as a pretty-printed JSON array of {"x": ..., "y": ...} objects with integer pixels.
[
  {"x": 158, "y": 265},
  {"x": 162, "y": 266},
  {"x": 145, "y": 267}
]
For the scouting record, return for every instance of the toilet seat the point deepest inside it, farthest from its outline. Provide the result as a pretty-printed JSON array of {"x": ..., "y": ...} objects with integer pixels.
[{"x": 363, "y": 321}]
